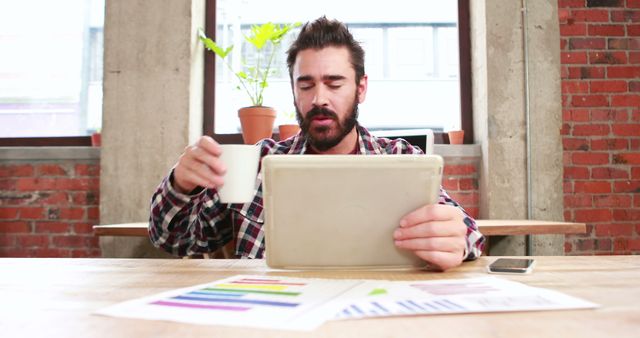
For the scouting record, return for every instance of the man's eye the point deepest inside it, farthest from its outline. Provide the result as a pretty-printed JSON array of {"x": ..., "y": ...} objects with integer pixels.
[
  {"x": 334, "y": 86},
  {"x": 305, "y": 87}
]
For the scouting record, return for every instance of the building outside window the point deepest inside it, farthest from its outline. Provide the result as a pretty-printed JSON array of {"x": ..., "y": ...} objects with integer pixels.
[{"x": 411, "y": 55}]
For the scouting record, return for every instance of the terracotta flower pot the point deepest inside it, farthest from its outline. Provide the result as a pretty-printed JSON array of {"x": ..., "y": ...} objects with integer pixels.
[
  {"x": 96, "y": 139},
  {"x": 257, "y": 123},
  {"x": 288, "y": 130},
  {"x": 456, "y": 137}
]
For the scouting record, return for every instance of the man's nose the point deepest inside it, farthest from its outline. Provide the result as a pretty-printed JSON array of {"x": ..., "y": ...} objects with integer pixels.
[{"x": 320, "y": 98}]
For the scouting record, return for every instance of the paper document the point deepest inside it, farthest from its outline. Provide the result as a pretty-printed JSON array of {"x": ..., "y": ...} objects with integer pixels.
[{"x": 306, "y": 303}]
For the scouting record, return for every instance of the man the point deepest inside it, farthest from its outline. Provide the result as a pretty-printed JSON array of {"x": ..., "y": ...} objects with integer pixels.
[{"x": 326, "y": 67}]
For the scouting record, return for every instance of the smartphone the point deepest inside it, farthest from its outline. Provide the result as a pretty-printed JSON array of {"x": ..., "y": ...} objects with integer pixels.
[{"x": 511, "y": 265}]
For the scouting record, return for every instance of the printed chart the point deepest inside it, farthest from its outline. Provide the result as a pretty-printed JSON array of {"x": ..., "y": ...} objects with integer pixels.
[{"x": 305, "y": 303}]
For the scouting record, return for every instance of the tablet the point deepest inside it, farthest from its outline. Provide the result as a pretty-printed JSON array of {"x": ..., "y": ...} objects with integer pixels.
[{"x": 340, "y": 211}]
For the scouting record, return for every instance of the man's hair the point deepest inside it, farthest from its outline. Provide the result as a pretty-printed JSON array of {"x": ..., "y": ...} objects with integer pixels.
[{"x": 323, "y": 33}]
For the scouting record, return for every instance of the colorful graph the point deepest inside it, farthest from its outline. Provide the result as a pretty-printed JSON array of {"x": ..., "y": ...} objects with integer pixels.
[{"x": 242, "y": 294}]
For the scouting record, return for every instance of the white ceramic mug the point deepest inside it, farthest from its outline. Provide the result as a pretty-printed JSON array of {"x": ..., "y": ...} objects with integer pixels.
[{"x": 242, "y": 169}]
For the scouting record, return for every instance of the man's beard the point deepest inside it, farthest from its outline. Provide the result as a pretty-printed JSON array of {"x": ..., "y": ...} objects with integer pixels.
[{"x": 321, "y": 138}]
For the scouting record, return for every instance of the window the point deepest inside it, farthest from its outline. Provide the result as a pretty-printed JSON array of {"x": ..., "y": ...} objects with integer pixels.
[
  {"x": 50, "y": 68},
  {"x": 411, "y": 58}
]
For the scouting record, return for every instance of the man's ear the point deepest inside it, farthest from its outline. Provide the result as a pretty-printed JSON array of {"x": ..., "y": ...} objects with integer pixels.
[{"x": 362, "y": 88}]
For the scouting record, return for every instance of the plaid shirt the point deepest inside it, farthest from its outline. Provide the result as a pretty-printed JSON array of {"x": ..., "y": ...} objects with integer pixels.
[{"x": 186, "y": 225}]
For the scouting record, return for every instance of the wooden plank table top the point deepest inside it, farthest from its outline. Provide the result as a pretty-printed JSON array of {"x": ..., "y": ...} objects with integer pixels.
[
  {"x": 487, "y": 227},
  {"x": 56, "y": 297}
]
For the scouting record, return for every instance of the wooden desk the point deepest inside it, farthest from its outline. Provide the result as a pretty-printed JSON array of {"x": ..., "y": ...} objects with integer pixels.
[
  {"x": 55, "y": 298},
  {"x": 487, "y": 227}
]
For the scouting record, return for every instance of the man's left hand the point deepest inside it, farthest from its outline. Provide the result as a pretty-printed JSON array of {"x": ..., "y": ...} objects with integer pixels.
[{"x": 436, "y": 233}]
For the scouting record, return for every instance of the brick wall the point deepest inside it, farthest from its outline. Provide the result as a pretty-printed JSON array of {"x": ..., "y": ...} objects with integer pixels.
[
  {"x": 47, "y": 208},
  {"x": 600, "y": 46}
]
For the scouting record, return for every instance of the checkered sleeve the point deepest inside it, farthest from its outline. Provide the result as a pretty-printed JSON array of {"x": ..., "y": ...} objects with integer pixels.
[
  {"x": 475, "y": 240},
  {"x": 188, "y": 224}
]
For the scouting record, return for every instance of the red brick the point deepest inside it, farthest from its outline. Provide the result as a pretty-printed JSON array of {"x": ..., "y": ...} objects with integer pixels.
[
  {"x": 468, "y": 184},
  {"x": 590, "y": 15},
  {"x": 7, "y": 184},
  {"x": 575, "y": 144},
  {"x": 628, "y": 158},
  {"x": 575, "y": 87},
  {"x": 608, "y": 173},
  {"x": 54, "y": 198},
  {"x": 633, "y": 3},
  {"x": 460, "y": 169},
  {"x": 635, "y": 144},
  {"x": 7, "y": 241},
  {"x": 610, "y": 144},
  {"x": 467, "y": 199},
  {"x": 33, "y": 241},
  {"x": 32, "y": 213},
  {"x": 586, "y": 244},
  {"x": 586, "y": 72},
  {"x": 579, "y": 29},
  {"x": 21, "y": 170},
  {"x": 14, "y": 252},
  {"x": 634, "y": 57},
  {"x": 590, "y": 158},
  {"x": 633, "y": 30},
  {"x": 626, "y": 130},
  {"x": 576, "y": 173},
  {"x": 578, "y": 201},
  {"x": 628, "y": 16},
  {"x": 570, "y": 3},
  {"x": 566, "y": 158},
  {"x": 71, "y": 213},
  {"x": 589, "y": 101},
  {"x": 8, "y": 213},
  {"x": 587, "y": 43},
  {"x": 634, "y": 244},
  {"x": 610, "y": 114},
  {"x": 614, "y": 230},
  {"x": 576, "y": 115},
  {"x": 568, "y": 216},
  {"x": 568, "y": 247},
  {"x": 15, "y": 227},
  {"x": 69, "y": 241},
  {"x": 563, "y": 46},
  {"x": 83, "y": 228},
  {"x": 590, "y": 130},
  {"x": 603, "y": 244},
  {"x": 473, "y": 212},
  {"x": 91, "y": 198},
  {"x": 636, "y": 115},
  {"x": 634, "y": 86},
  {"x": 49, "y": 252},
  {"x": 93, "y": 214},
  {"x": 623, "y": 43},
  {"x": 52, "y": 227},
  {"x": 635, "y": 173},
  {"x": 605, "y": 3},
  {"x": 627, "y": 187},
  {"x": 606, "y": 30},
  {"x": 625, "y": 101},
  {"x": 35, "y": 184},
  {"x": 566, "y": 129},
  {"x": 608, "y": 86},
  {"x": 612, "y": 201},
  {"x": 87, "y": 170},
  {"x": 609, "y": 57},
  {"x": 592, "y": 215},
  {"x": 622, "y": 215},
  {"x": 51, "y": 170},
  {"x": 450, "y": 184},
  {"x": 592, "y": 187},
  {"x": 623, "y": 72}
]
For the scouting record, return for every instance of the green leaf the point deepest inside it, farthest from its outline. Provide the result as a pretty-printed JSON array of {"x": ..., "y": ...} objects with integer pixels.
[
  {"x": 213, "y": 46},
  {"x": 242, "y": 75}
]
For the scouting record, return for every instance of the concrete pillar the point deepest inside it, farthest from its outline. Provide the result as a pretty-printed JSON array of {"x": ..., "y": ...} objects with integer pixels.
[
  {"x": 153, "y": 80},
  {"x": 499, "y": 116}
]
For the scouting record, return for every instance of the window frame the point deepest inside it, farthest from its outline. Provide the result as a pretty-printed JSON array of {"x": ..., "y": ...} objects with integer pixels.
[
  {"x": 208, "y": 126},
  {"x": 466, "y": 116}
]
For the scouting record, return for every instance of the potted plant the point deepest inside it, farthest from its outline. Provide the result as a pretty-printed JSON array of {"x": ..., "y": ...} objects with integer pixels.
[
  {"x": 96, "y": 138},
  {"x": 289, "y": 126},
  {"x": 256, "y": 120}
]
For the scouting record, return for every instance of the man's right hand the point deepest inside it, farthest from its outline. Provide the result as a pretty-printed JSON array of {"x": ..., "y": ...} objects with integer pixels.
[{"x": 199, "y": 166}]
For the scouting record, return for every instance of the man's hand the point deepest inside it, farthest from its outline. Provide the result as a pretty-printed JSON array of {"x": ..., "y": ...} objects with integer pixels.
[
  {"x": 199, "y": 166},
  {"x": 436, "y": 233}
]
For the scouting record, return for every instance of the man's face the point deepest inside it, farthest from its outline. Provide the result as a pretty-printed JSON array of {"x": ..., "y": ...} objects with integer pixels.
[{"x": 326, "y": 96}]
